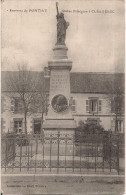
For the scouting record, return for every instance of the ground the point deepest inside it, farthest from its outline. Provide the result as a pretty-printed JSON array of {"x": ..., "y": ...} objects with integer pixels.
[{"x": 63, "y": 184}]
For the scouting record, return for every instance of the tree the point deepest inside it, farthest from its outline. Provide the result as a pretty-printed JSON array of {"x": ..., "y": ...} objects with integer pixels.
[
  {"x": 24, "y": 85},
  {"x": 118, "y": 107},
  {"x": 40, "y": 102},
  {"x": 116, "y": 97}
]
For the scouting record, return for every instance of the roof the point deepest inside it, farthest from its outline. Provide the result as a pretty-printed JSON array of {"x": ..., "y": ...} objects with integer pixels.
[
  {"x": 96, "y": 82},
  {"x": 80, "y": 82}
]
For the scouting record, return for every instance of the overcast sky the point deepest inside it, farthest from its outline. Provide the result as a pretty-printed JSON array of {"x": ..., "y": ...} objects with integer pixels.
[{"x": 95, "y": 41}]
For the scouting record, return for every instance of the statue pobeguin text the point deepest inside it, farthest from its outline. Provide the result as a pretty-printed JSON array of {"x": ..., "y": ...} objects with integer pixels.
[{"x": 62, "y": 25}]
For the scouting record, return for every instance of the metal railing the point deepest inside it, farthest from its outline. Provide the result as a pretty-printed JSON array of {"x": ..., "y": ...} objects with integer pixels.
[{"x": 63, "y": 152}]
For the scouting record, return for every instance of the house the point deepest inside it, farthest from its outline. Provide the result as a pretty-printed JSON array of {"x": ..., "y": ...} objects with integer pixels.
[{"x": 91, "y": 101}]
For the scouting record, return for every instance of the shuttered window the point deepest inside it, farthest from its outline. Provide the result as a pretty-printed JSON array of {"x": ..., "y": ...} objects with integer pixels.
[
  {"x": 73, "y": 104},
  {"x": 93, "y": 105},
  {"x": 99, "y": 105}
]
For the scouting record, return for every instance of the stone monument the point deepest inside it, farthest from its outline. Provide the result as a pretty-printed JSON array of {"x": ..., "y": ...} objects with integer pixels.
[{"x": 59, "y": 117}]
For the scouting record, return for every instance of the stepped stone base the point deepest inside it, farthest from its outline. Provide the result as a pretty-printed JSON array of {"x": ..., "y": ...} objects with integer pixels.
[{"x": 59, "y": 124}]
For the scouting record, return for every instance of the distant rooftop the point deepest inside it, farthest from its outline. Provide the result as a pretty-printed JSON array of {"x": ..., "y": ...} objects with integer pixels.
[{"x": 80, "y": 82}]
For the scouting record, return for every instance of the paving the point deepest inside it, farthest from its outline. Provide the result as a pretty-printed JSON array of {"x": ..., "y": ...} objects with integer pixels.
[{"x": 63, "y": 184}]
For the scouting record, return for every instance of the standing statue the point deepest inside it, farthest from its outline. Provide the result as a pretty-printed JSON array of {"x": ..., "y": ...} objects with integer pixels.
[{"x": 62, "y": 25}]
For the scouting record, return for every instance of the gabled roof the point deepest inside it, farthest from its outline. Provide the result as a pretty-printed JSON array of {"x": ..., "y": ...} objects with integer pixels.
[
  {"x": 80, "y": 82},
  {"x": 96, "y": 82}
]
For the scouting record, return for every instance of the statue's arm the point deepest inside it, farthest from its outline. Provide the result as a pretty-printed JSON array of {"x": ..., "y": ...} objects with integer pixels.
[{"x": 57, "y": 8}]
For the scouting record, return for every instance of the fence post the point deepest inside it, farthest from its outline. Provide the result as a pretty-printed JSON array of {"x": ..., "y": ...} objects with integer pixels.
[
  {"x": 58, "y": 153},
  {"x": 80, "y": 142},
  {"x": 13, "y": 148},
  {"x": 14, "y": 145},
  {"x": 65, "y": 149},
  {"x": 6, "y": 155},
  {"x": 118, "y": 154},
  {"x": 43, "y": 149},
  {"x": 110, "y": 150},
  {"x": 103, "y": 151},
  {"x": 28, "y": 152},
  {"x": 31, "y": 149},
  {"x": 50, "y": 149},
  {"x": 73, "y": 151},
  {"x": 36, "y": 151},
  {"x": 95, "y": 150},
  {"x": 88, "y": 147},
  {"x": 92, "y": 140},
  {"x": 20, "y": 151}
]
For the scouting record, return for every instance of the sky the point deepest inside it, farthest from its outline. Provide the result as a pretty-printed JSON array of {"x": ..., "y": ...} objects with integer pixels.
[{"x": 95, "y": 39}]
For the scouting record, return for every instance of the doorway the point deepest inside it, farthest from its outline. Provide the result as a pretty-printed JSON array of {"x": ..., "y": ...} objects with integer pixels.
[{"x": 37, "y": 126}]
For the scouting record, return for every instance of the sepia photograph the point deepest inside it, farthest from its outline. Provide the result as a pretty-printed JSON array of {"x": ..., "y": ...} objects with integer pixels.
[{"x": 63, "y": 97}]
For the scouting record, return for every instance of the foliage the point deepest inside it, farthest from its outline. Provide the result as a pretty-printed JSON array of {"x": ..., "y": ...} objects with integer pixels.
[
  {"x": 89, "y": 128},
  {"x": 88, "y": 132}
]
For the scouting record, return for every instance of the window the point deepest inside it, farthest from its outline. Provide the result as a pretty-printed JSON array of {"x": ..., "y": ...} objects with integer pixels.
[
  {"x": 87, "y": 105},
  {"x": 119, "y": 123},
  {"x": 12, "y": 105},
  {"x": 16, "y": 105},
  {"x": 93, "y": 105},
  {"x": 117, "y": 105},
  {"x": 3, "y": 105},
  {"x": 18, "y": 126},
  {"x": 73, "y": 104},
  {"x": 99, "y": 105}
]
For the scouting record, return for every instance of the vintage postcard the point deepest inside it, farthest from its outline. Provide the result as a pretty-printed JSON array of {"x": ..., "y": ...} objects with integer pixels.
[{"x": 62, "y": 97}]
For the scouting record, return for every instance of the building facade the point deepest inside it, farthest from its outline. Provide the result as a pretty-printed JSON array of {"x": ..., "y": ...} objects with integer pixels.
[{"x": 91, "y": 101}]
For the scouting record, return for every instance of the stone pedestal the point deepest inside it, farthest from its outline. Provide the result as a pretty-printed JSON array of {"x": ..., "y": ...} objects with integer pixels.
[{"x": 59, "y": 118}]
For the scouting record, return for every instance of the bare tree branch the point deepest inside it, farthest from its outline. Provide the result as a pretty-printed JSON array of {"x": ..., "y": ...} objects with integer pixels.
[{"x": 32, "y": 95}]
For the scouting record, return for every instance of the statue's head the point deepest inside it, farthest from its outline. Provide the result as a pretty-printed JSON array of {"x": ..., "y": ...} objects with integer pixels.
[{"x": 61, "y": 15}]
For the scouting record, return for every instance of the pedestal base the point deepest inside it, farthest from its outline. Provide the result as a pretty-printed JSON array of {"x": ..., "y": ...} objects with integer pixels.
[
  {"x": 59, "y": 124},
  {"x": 59, "y": 141}
]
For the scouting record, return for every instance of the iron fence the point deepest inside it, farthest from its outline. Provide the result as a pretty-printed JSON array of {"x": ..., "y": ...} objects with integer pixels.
[
  {"x": 8, "y": 148},
  {"x": 63, "y": 152}
]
